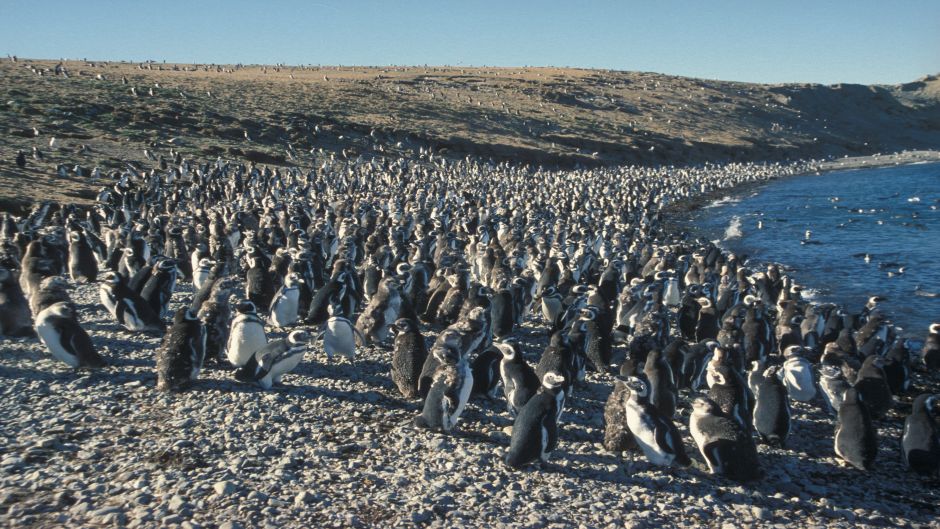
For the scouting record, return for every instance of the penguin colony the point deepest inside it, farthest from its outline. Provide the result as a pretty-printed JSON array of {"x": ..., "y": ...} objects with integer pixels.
[{"x": 379, "y": 254}]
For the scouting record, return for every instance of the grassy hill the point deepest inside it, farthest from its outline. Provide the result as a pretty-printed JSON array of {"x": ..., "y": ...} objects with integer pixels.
[{"x": 103, "y": 114}]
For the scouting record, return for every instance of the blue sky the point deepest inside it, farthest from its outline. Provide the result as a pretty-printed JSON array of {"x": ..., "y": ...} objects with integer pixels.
[{"x": 822, "y": 41}]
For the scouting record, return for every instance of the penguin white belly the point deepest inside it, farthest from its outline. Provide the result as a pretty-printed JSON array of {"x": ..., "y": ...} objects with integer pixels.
[
  {"x": 339, "y": 338},
  {"x": 799, "y": 381},
  {"x": 645, "y": 435},
  {"x": 285, "y": 309},
  {"x": 199, "y": 278},
  {"x": 244, "y": 341},
  {"x": 464, "y": 395},
  {"x": 51, "y": 338},
  {"x": 284, "y": 366},
  {"x": 131, "y": 320},
  {"x": 544, "y": 455},
  {"x": 109, "y": 303}
]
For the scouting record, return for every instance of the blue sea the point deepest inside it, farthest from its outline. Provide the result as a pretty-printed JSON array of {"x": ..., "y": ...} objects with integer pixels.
[{"x": 872, "y": 232}]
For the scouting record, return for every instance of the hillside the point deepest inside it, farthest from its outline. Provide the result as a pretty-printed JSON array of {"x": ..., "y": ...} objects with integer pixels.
[{"x": 541, "y": 115}]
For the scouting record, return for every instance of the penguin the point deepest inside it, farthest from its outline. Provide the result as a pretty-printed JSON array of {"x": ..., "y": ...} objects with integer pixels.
[
  {"x": 730, "y": 394},
  {"x": 259, "y": 284},
  {"x": 656, "y": 435},
  {"x": 202, "y": 272},
  {"x": 449, "y": 392},
  {"x": 535, "y": 428},
  {"x": 246, "y": 335},
  {"x": 284, "y": 306},
  {"x": 83, "y": 267},
  {"x": 381, "y": 312},
  {"x": 856, "y": 440},
  {"x": 920, "y": 445},
  {"x": 873, "y": 387},
  {"x": 59, "y": 330},
  {"x": 15, "y": 316},
  {"x": 52, "y": 289},
  {"x": 797, "y": 375},
  {"x": 408, "y": 356},
  {"x": 520, "y": 382},
  {"x": 340, "y": 335},
  {"x": 276, "y": 359},
  {"x": 833, "y": 386},
  {"x": 930, "y": 352},
  {"x": 728, "y": 449},
  {"x": 180, "y": 356},
  {"x": 897, "y": 369},
  {"x": 663, "y": 392},
  {"x": 503, "y": 311},
  {"x": 706, "y": 327},
  {"x": 127, "y": 307},
  {"x": 159, "y": 288},
  {"x": 551, "y": 306},
  {"x": 617, "y": 436},
  {"x": 486, "y": 375},
  {"x": 771, "y": 408}
]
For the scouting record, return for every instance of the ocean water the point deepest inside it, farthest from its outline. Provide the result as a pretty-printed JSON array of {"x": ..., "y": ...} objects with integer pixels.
[{"x": 871, "y": 232}]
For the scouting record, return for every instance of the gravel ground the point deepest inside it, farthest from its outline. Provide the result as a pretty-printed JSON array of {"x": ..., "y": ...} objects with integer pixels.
[{"x": 334, "y": 447}]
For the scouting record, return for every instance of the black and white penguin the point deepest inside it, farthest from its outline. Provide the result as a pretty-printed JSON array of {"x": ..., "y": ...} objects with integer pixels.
[
  {"x": 798, "y": 374},
  {"x": 872, "y": 385},
  {"x": 503, "y": 310},
  {"x": 276, "y": 359},
  {"x": 449, "y": 392},
  {"x": 486, "y": 375},
  {"x": 127, "y": 307},
  {"x": 53, "y": 289},
  {"x": 706, "y": 327},
  {"x": 408, "y": 356},
  {"x": 833, "y": 384},
  {"x": 285, "y": 304},
  {"x": 727, "y": 447},
  {"x": 930, "y": 352},
  {"x": 920, "y": 445},
  {"x": 856, "y": 440},
  {"x": 535, "y": 429},
  {"x": 552, "y": 306},
  {"x": 663, "y": 391},
  {"x": 159, "y": 288},
  {"x": 340, "y": 336},
  {"x": 656, "y": 434},
  {"x": 771, "y": 408},
  {"x": 246, "y": 335},
  {"x": 181, "y": 354},
  {"x": 202, "y": 272},
  {"x": 15, "y": 317},
  {"x": 520, "y": 382},
  {"x": 617, "y": 436},
  {"x": 83, "y": 267},
  {"x": 59, "y": 330},
  {"x": 382, "y": 311}
]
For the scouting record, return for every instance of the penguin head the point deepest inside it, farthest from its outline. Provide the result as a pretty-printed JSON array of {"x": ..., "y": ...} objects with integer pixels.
[
  {"x": 934, "y": 328},
  {"x": 793, "y": 351},
  {"x": 771, "y": 371},
  {"x": 403, "y": 325},
  {"x": 299, "y": 337},
  {"x": 61, "y": 309},
  {"x": 447, "y": 353},
  {"x": 207, "y": 263},
  {"x": 112, "y": 278},
  {"x": 166, "y": 265},
  {"x": 705, "y": 406},
  {"x": 246, "y": 307},
  {"x": 552, "y": 380},
  {"x": 184, "y": 314},
  {"x": 637, "y": 386},
  {"x": 508, "y": 348},
  {"x": 830, "y": 371}
]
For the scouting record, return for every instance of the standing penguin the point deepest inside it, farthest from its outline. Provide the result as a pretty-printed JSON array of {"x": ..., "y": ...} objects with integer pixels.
[
  {"x": 833, "y": 384},
  {"x": 771, "y": 408},
  {"x": 15, "y": 319},
  {"x": 284, "y": 306},
  {"x": 729, "y": 392},
  {"x": 127, "y": 307},
  {"x": 450, "y": 391},
  {"x": 656, "y": 434},
  {"x": 535, "y": 430},
  {"x": 663, "y": 392},
  {"x": 919, "y": 444},
  {"x": 159, "y": 288},
  {"x": 706, "y": 328},
  {"x": 59, "y": 330},
  {"x": 339, "y": 335},
  {"x": 246, "y": 335},
  {"x": 728, "y": 448},
  {"x": 797, "y": 375},
  {"x": 180, "y": 356},
  {"x": 873, "y": 387},
  {"x": 259, "y": 283},
  {"x": 520, "y": 382},
  {"x": 83, "y": 267},
  {"x": 485, "y": 368},
  {"x": 408, "y": 356},
  {"x": 856, "y": 441},
  {"x": 274, "y": 360},
  {"x": 617, "y": 436},
  {"x": 202, "y": 272},
  {"x": 382, "y": 311}
]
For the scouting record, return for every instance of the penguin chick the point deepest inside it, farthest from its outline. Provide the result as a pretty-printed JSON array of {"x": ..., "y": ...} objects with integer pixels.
[{"x": 181, "y": 354}]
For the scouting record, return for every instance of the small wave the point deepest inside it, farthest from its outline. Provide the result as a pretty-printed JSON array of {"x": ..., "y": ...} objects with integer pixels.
[
  {"x": 734, "y": 228},
  {"x": 723, "y": 201}
]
